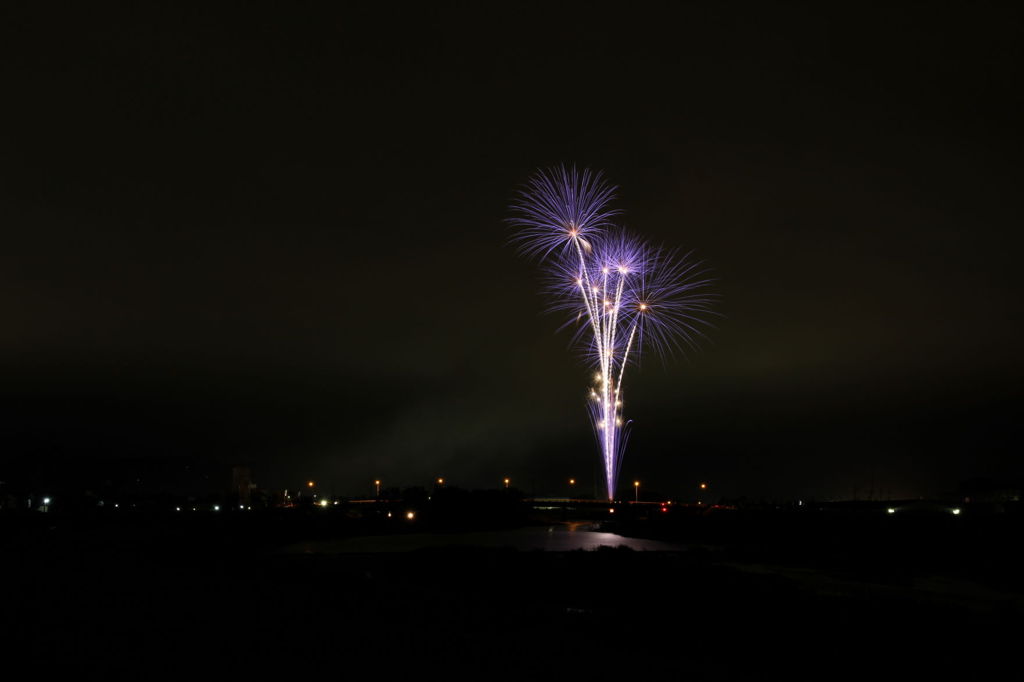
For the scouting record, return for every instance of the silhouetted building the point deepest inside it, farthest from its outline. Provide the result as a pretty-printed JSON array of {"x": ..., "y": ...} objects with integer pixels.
[{"x": 242, "y": 485}]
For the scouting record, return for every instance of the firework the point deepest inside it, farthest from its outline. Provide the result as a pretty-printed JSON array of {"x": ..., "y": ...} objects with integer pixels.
[{"x": 619, "y": 294}]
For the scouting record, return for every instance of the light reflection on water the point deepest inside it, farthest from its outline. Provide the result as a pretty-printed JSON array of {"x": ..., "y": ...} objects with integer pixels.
[{"x": 560, "y": 538}]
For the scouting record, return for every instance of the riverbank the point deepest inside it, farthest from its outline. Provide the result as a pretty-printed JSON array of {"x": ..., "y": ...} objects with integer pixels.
[{"x": 212, "y": 607}]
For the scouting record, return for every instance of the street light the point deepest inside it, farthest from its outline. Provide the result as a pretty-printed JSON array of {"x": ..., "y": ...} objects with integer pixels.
[
  {"x": 506, "y": 483},
  {"x": 440, "y": 481},
  {"x": 636, "y": 491},
  {"x": 376, "y": 484}
]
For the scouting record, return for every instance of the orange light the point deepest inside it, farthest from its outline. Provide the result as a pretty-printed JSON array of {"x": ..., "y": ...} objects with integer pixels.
[
  {"x": 703, "y": 486},
  {"x": 572, "y": 481},
  {"x": 636, "y": 484},
  {"x": 310, "y": 484},
  {"x": 440, "y": 481}
]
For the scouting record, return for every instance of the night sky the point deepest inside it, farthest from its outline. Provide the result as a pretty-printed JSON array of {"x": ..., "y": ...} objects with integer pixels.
[{"x": 275, "y": 236}]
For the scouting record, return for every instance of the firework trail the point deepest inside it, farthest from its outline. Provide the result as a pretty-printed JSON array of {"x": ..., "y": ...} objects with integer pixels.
[{"x": 620, "y": 294}]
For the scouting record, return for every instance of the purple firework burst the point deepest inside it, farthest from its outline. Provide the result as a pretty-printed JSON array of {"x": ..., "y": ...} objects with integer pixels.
[
  {"x": 619, "y": 294},
  {"x": 562, "y": 209}
]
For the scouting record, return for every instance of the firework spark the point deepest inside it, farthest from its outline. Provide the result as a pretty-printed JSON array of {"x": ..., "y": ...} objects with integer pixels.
[{"x": 620, "y": 294}]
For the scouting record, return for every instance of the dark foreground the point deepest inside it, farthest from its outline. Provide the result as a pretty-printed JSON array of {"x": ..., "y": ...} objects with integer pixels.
[{"x": 159, "y": 600}]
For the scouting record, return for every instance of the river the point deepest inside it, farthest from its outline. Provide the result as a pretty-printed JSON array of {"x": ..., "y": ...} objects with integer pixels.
[{"x": 553, "y": 538}]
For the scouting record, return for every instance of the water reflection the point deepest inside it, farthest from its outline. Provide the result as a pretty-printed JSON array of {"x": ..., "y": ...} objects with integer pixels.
[{"x": 556, "y": 538}]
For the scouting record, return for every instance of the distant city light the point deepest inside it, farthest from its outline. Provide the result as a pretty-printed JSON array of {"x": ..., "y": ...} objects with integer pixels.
[
  {"x": 216, "y": 507},
  {"x": 611, "y": 510},
  {"x": 46, "y": 500},
  {"x": 310, "y": 484},
  {"x": 956, "y": 510},
  {"x": 409, "y": 515},
  {"x": 891, "y": 510},
  {"x": 703, "y": 486},
  {"x": 177, "y": 509},
  {"x": 440, "y": 481},
  {"x": 323, "y": 503}
]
